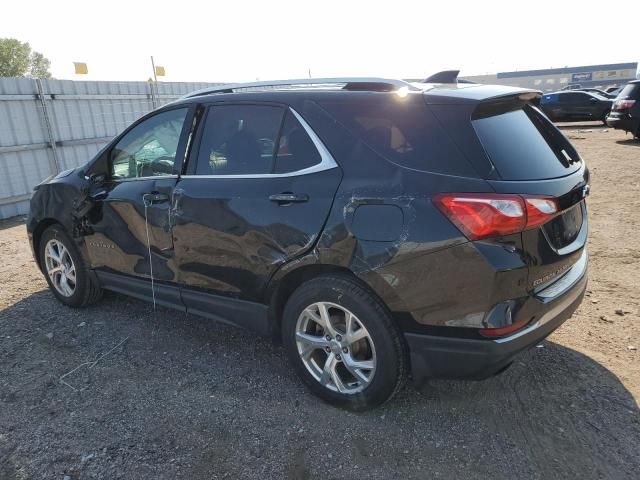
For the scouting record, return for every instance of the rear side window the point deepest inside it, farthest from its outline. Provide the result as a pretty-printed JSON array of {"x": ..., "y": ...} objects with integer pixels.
[
  {"x": 631, "y": 90},
  {"x": 402, "y": 130},
  {"x": 296, "y": 150},
  {"x": 524, "y": 145},
  {"x": 239, "y": 140}
]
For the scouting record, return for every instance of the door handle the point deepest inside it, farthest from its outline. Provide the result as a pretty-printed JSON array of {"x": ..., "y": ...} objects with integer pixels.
[
  {"x": 286, "y": 198},
  {"x": 154, "y": 197}
]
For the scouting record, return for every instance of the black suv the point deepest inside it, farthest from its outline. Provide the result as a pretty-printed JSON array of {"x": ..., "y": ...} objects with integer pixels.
[
  {"x": 575, "y": 106},
  {"x": 625, "y": 113},
  {"x": 379, "y": 228}
]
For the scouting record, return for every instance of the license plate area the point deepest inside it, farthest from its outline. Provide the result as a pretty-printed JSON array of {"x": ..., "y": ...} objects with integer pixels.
[{"x": 564, "y": 229}]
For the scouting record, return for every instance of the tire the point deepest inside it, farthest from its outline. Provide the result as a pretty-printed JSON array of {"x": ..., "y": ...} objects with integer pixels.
[
  {"x": 85, "y": 290},
  {"x": 381, "y": 343}
]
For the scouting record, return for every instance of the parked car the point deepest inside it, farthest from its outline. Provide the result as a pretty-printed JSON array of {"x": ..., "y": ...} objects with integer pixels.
[
  {"x": 625, "y": 113},
  {"x": 575, "y": 106},
  {"x": 597, "y": 91},
  {"x": 378, "y": 228},
  {"x": 613, "y": 91}
]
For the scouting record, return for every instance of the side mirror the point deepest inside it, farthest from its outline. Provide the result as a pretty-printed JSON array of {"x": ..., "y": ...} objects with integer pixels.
[
  {"x": 97, "y": 178},
  {"x": 593, "y": 100}
]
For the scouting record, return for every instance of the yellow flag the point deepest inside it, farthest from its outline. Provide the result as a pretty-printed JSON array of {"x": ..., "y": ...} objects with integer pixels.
[
  {"x": 159, "y": 71},
  {"x": 81, "y": 68}
]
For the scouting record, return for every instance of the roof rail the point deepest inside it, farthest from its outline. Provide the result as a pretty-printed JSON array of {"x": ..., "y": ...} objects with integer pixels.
[{"x": 350, "y": 83}]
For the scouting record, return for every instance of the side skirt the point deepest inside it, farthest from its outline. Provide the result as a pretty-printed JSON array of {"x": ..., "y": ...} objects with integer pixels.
[{"x": 238, "y": 313}]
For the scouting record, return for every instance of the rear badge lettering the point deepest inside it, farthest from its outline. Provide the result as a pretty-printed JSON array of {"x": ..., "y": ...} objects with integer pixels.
[{"x": 550, "y": 275}]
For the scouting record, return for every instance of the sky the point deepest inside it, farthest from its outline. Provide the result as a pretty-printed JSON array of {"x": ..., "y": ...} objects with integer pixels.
[{"x": 244, "y": 40}]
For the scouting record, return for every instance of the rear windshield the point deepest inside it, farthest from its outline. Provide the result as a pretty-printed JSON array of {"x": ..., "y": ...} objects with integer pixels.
[
  {"x": 631, "y": 90},
  {"x": 523, "y": 145},
  {"x": 402, "y": 130}
]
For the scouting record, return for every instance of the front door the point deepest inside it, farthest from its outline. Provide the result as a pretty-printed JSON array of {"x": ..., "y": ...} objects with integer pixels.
[
  {"x": 259, "y": 187},
  {"x": 130, "y": 222}
]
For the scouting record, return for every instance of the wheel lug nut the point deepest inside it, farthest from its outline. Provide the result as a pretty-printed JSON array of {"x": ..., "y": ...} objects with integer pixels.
[
  {"x": 327, "y": 349},
  {"x": 338, "y": 337},
  {"x": 328, "y": 337},
  {"x": 338, "y": 357},
  {"x": 344, "y": 350}
]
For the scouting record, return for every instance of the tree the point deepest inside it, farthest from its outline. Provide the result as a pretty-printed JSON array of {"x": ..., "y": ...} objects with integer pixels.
[
  {"x": 39, "y": 66},
  {"x": 18, "y": 60}
]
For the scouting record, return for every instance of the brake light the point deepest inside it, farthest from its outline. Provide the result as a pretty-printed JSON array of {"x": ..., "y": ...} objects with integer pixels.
[
  {"x": 491, "y": 215},
  {"x": 623, "y": 104}
]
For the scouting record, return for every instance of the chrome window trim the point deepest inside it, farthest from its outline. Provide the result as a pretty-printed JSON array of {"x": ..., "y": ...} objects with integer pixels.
[
  {"x": 131, "y": 179},
  {"x": 327, "y": 161}
]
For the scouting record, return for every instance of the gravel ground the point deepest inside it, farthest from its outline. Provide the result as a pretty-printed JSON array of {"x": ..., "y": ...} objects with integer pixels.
[{"x": 163, "y": 395}]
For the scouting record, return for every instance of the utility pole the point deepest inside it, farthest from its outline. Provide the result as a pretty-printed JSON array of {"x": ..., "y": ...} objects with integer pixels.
[{"x": 154, "y": 87}]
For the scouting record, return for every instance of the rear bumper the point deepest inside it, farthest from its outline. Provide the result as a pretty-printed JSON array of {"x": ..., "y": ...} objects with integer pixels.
[
  {"x": 624, "y": 122},
  {"x": 447, "y": 357}
]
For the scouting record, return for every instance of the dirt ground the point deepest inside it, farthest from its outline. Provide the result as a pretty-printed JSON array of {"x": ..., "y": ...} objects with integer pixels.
[{"x": 174, "y": 396}]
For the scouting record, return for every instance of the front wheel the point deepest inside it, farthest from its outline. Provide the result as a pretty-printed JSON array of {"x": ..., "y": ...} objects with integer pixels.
[
  {"x": 64, "y": 270},
  {"x": 343, "y": 343}
]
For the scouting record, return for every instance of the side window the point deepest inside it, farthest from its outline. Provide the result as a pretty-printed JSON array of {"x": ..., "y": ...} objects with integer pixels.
[
  {"x": 578, "y": 97},
  {"x": 296, "y": 150},
  {"x": 149, "y": 149},
  {"x": 239, "y": 140}
]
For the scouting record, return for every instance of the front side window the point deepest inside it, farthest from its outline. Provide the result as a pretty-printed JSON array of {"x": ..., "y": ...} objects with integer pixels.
[
  {"x": 149, "y": 149},
  {"x": 239, "y": 140}
]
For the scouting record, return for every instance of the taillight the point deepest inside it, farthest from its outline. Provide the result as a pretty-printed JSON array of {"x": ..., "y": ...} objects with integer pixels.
[
  {"x": 492, "y": 215},
  {"x": 503, "y": 331},
  {"x": 623, "y": 104}
]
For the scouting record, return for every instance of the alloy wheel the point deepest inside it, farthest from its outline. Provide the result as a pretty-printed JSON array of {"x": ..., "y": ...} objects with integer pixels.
[
  {"x": 60, "y": 267},
  {"x": 335, "y": 347}
]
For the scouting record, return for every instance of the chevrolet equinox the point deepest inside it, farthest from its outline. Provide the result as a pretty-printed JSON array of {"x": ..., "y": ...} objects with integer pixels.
[{"x": 379, "y": 228}]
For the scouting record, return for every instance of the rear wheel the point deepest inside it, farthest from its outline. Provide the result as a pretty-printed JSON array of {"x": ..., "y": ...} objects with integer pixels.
[
  {"x": 343, "y": 343},
  {"x": 65, "y": 270}
]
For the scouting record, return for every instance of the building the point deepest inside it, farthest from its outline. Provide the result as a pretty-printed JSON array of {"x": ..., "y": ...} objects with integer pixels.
[{"x": 552, "y": 79}]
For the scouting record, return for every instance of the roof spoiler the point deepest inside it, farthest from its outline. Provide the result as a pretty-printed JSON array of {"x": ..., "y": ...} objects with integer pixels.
[{"x": 446, "y": 76}]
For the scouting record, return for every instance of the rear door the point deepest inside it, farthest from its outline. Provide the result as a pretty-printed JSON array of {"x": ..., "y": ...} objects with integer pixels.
[
  {"x": 584, "y": 106},
  {"x": 258, "y": 188},
  {"x": 533, "y": 157}
]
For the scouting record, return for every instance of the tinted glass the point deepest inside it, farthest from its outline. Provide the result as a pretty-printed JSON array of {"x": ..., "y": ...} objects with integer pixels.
[
  {"x": 631, "y": 90},
  {"x": 402, "y": 130},
  {"x": 296, "y": 151},
  {"x": 149, "y": 149},
  {"x": 523, "y": 145},
  {"x": 239, "y": 140},
  {"x": 578, "y": 97}
]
